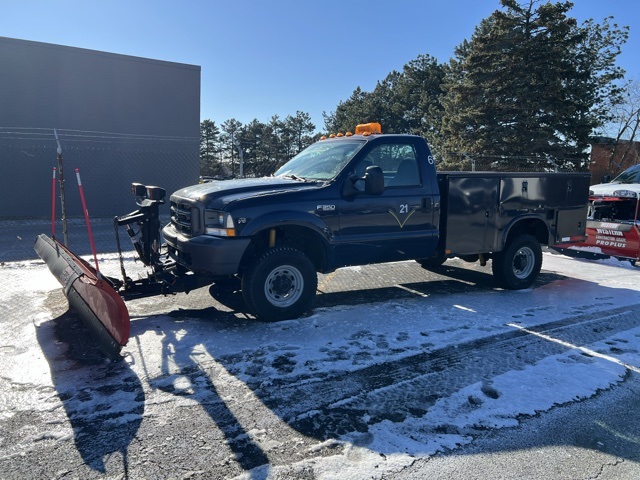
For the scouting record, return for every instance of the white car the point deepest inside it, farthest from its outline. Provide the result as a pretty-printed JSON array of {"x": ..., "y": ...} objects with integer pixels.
[{"x": 627, "y": 184}]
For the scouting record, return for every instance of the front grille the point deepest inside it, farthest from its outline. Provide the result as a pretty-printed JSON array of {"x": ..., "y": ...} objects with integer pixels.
[{"x": 182, "y": 217}]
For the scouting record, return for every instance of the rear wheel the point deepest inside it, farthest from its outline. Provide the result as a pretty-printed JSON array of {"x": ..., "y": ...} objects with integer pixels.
[
  {"x": 518, "y": 265},
  {"x": 281, "y": 284}
]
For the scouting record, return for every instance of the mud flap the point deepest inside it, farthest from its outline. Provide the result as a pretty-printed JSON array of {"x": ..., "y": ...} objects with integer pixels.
[{"x": 93, "y": 297}]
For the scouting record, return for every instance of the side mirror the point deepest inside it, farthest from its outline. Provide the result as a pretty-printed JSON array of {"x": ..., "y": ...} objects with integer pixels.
[
  {"x": 373, "y": 181},
  {"x": 606, "y": 179}
]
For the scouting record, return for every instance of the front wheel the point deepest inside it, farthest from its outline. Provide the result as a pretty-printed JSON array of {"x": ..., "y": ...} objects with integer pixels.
[
  {"x": 518, "y": 265},
  {"x": 280, "y": 285}
]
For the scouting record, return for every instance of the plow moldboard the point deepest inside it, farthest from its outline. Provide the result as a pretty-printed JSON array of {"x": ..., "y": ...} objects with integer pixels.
[{"x": 91, "y": 296}]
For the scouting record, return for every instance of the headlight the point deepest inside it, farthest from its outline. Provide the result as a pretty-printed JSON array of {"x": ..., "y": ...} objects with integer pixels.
[
  {"x": 219, "y": 224},
  {"x": 625, "y": 193}
]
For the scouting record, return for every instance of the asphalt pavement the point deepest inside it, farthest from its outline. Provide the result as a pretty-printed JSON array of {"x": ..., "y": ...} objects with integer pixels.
[
  {"x": 597, "y": 438},
  {"x": 185, "y": 404}
]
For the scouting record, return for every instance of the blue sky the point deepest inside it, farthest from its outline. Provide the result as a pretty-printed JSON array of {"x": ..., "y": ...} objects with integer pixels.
[{"x": 264, "y": 58}]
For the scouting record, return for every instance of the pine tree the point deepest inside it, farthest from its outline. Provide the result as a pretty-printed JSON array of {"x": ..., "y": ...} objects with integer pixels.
[
  {"x": 231, "y": 129},
  {"x": 209, "y": 134},
  {"x": 404, "y": 102},
  {"x": 356, "y": 109},
  {"x": 301, "y": 128},
  {"x": 530, "y": 82},
  {"x": 419, "y": 93}
]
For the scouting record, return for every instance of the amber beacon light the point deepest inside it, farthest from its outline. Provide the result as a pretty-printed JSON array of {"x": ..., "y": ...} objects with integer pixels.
[{"x": 368, "y": 128}]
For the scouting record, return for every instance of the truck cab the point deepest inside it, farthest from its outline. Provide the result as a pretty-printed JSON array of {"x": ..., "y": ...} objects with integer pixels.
[{"x": 362, "y": 198}]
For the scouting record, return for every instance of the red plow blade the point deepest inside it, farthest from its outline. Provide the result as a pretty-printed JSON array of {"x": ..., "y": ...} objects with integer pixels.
[{"x": 92, "y": 296}]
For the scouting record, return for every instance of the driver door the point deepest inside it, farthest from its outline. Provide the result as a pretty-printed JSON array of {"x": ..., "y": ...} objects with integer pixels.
[{"x": 397, "y": 225}]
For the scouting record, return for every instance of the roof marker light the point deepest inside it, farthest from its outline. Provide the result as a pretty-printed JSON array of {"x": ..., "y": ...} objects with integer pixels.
[{"x": 368, "y": 128}]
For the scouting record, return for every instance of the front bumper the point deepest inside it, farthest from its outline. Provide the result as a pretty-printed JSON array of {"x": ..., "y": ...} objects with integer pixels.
[{"x": 215, "y": 255}]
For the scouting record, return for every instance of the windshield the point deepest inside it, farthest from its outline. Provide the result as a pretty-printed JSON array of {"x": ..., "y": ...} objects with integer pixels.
[
  {"x": 630, "y": 175},
  {"x": 321, "y": 161}
]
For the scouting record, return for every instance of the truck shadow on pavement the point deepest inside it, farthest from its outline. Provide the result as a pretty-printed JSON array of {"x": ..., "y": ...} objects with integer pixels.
[
  {"x": 179, "y": 359},
  {"x": 445, "y": 280},
  {"x": 103, "y": 401}
]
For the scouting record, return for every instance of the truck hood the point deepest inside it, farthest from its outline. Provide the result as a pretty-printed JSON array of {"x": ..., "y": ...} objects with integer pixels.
[
  {"x": 607, "y": 189},
  {"x": 216, "y": 195}
]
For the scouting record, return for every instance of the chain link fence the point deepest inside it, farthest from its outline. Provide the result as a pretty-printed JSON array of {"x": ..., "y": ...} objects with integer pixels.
[
  {"x": 108, "y": 163},
  {"x": 230, "y": 169},
  {"x": 503, "y": 163},
  {"x": 235, "y": 167}
]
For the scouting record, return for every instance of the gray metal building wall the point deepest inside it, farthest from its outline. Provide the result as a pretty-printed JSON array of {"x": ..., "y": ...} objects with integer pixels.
[{"x": 120, "y": 119}]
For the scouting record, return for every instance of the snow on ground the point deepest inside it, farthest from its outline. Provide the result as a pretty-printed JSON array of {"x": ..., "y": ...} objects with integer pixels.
[{"x": 348, "y": 339}]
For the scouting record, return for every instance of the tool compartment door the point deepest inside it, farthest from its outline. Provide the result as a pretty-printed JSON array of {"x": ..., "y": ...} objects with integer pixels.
[{"x": 471, "y": 211}]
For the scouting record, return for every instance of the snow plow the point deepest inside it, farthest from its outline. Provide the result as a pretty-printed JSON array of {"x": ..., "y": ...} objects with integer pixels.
[
  {"x": 613, "y": 229},
  {"x": 99, "y": 300},
  {"x": 91, "y": 295}
]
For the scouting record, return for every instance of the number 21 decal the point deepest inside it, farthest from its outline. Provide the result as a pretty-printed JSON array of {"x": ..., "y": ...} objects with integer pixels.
[{"x": 404, "y": 210}]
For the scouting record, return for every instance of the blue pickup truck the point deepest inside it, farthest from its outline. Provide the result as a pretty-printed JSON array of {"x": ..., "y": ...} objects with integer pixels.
[{"x": 365, "y": 198}]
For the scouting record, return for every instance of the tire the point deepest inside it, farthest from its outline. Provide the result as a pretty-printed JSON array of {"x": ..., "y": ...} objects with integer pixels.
[
  {"x": 517, "y": 266},
  {"x": 432, "y": 263},
  {"x": 280, "y": 285}
]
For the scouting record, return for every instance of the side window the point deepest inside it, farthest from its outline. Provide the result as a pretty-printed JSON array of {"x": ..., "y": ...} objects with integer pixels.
[
  {"x": 399, "y": 164},
  {"x": 361, "y": 169}
]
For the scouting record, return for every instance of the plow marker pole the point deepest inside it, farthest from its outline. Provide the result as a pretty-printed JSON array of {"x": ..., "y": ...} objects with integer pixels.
[{"x": 86, "y": 218}]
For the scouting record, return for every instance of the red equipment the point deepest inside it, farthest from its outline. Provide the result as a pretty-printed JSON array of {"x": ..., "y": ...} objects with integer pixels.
[
  {"x": 92, "y": 296},
  {"x": 98, "y": 299},
  {"x": 613, "y": 230}
]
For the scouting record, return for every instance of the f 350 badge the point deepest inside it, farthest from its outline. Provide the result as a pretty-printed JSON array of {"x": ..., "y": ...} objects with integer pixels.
[{"x": 326, "y": 208}]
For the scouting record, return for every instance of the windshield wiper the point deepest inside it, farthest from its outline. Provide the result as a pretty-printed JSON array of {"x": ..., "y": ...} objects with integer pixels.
[{"x": 295, "y": 177}]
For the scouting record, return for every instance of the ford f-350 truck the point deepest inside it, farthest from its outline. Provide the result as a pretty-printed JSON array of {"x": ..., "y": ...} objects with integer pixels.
[
  {"x": 368, "y": 198},
  {"x": 345, "y": 200}
]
